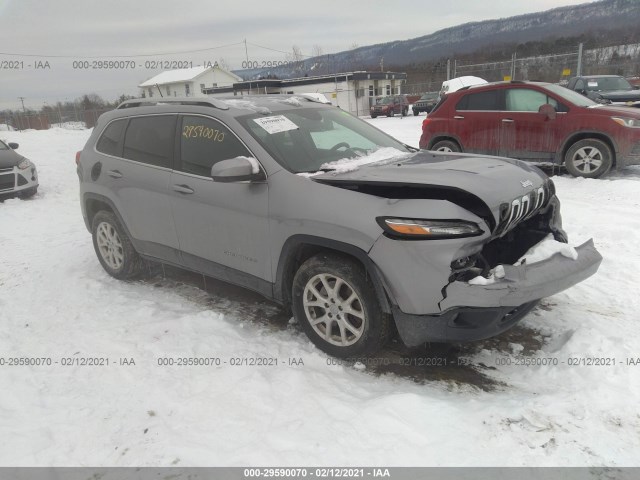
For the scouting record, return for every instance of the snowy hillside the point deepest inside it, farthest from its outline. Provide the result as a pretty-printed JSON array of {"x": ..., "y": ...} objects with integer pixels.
[{"x": 516, "y": 400}]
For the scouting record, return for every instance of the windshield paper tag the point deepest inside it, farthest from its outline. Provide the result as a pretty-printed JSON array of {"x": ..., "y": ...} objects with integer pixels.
[
  {"x": 592, "y": 84},
  {"x": 276, "y": 124}
]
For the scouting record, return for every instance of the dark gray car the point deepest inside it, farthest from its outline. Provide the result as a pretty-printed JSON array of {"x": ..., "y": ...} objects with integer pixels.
[{"x": 327, "y": 215}]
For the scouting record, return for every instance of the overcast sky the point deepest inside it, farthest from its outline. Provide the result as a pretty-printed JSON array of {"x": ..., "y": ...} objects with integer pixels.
[{"x": 63, "y": 31}]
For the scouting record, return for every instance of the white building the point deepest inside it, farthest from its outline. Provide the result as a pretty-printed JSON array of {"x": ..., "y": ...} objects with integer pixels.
[
  {"x": 187, "y": 82},
  {"x": 354, "y": 92}
]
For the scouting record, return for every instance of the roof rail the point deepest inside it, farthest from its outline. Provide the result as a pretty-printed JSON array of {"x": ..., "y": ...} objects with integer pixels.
[{"x": 148, "y": 102}]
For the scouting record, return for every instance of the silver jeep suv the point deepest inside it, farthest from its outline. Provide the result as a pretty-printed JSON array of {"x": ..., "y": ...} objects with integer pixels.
[{"x": 306, "y": 204}]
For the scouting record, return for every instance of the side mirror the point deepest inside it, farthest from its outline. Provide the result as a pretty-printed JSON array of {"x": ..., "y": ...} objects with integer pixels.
[
  {"x": 548, "y": 110},
  {"x": 238, "y": 169},
  {"x": 13, "y": 145},
  {"x": 636, "y": 87}
]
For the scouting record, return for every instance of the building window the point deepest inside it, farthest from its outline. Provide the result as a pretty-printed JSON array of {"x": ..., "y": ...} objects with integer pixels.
[
  {"x": 388, "y": 89},
  {"x": 186, "y": 89},
  {"x": 202, "y": 87},
  {"x": 168, "y": 91},
  {"x": 150, "y": 92},
  {"x": 371, "y": 90}
]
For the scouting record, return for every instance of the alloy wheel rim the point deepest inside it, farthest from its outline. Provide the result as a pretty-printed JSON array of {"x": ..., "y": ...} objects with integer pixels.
[
  {"x": 110, "y": 245},
  {"x": 587, "y": 159},
  {"x": 334, "y": 310},
  {"x": 445, "y": 149}
]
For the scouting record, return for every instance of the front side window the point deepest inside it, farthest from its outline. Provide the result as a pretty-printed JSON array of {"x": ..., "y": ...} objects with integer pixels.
[
  {"x": 150, "y": 140},
  {"x": 205, "y": 142},
  {"x": 526, "y": 100},
  {"x": 111, "y": 140},
  {"x": 479, "y": 101}
]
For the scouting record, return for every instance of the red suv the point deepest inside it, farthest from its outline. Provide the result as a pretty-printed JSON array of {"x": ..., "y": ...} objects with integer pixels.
[
  {"x": 534, "y": 121},
  {"x": 390, "y": 105}
]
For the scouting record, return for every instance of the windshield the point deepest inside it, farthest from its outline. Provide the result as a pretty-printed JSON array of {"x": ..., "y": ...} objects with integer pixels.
[
  {"x": 604, "y": 84},
  {"x": 304, "y": 139},
  {"x": 429, "y": 96},
  {"x": 385, "y": 101},
  {"x": 573, "y": 97}
]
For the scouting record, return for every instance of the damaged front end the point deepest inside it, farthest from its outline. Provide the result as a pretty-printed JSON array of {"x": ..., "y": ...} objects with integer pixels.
[{"x": 468, "y": 311}]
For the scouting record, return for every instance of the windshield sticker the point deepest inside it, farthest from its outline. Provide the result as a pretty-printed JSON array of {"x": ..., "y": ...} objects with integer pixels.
[
  {"x": 276, "y": 124},
  {"x": 592, "y": 84}
]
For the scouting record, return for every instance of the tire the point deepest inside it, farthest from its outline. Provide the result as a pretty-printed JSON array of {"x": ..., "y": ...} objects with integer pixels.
[
  {"x": 373, "y": 116},
  {"x": 363, "y": 330},
  {"x": 390, "y": 113},
  {"x": 113, "y": 247},
  {"x": 404, "y": 112},
  {"x": 446, "y": 146},
  {"x": 416, "y": 113},
  {"x": 589, "y": 158},
  {"x": 28, "y": 193}
]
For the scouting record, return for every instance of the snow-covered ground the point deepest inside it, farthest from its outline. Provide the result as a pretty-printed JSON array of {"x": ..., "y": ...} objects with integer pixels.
[{"x": 505, "y": 402}]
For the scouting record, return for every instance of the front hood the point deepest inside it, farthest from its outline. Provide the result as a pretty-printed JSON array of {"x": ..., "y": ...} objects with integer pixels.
[
  {"x": 619, "y": 95},
  {"x": 448, "y": 176},
  {"x": 9, "y": 158}
]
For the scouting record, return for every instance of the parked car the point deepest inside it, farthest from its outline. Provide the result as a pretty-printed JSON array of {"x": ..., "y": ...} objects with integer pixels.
[
  {"x": 18, "y": 175},
  {"x": 609, "y": 89},
  {"x": 426, "y": 103},
  {"x": 316, "y": 209},
  {"x": 538, "y": 122},
  {"x": 390, "y": 105}
]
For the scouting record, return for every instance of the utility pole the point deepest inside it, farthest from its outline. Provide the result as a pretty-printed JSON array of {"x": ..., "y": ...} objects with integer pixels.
[
  {"x": 579, "y": 67},
  {"x": 24, "y": 112},
  {"x": 246, "y": 52}
]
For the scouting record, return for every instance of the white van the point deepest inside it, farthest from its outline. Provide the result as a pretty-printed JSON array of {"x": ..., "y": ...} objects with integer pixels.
[{"x": 457, "y": 83}]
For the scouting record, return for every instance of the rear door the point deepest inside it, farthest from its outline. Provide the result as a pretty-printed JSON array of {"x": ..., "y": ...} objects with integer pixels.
[
  {"x": 137, "y": 155},
  {"x": 476, "y": 122},
  {"x": 222, "y": 227}
]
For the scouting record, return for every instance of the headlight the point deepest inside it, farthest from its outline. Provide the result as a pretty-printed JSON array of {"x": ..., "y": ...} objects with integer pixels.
[
  {"x": 428, "y": 229},
  {"x": 24, "y": 164},
  {"x": 627, "y": 122}
]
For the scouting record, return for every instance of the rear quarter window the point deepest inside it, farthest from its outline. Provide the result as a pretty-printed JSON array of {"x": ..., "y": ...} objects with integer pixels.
[{"x": 110, "y": 142}]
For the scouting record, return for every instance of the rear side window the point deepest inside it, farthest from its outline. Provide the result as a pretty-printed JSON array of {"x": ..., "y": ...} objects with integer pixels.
[
  {"x": 479, "y": 101},
  {"x": 151, "y": 140},
  {"x": 111, "y": 140},
  {"x": 205, "y": 142}
]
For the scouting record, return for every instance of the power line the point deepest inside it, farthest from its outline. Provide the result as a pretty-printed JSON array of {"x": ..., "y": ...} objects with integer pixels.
[{"x": 121, "y": 56}]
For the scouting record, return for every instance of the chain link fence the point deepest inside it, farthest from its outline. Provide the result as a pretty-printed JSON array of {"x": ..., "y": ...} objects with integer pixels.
[{"x": 76, "y": 118}]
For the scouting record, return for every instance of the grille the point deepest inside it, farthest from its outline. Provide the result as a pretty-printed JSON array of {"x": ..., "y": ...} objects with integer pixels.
[
  {"x": 521, "y": 209},
  {"x": 7, "y": 182}
]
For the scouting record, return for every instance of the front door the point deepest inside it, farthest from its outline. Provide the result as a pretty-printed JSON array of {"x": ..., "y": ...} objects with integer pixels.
[{"x": 222, "y": 227}]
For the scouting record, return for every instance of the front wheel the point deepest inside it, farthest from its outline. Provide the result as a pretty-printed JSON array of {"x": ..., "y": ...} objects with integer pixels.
[
  {"x": 588, "y": 158},
  {"x": 404, "y": 112},
  {"x": 446, "y": 146},
  {"x": 113, "y": 247},
  {"x": 416, "y": 113},
  {"x": 335, "y": 303}
]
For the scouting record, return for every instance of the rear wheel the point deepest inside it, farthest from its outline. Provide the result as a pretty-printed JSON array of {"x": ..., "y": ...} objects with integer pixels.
[
  {"x": 416, "y": 112},
  {"x": 334, "y": 301},
  {"x": 373, "y": 116},
  {"x": 113, "y": 247},
  {"x": 390, "y": 112},
  {"x": 446, "y": 146},
  {"x": 590, "y": 158}
]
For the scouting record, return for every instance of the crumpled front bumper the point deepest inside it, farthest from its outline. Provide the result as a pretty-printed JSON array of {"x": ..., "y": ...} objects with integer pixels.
[
  {"x": 525, "y": 283},
  {"x": 475, "y": 312}
]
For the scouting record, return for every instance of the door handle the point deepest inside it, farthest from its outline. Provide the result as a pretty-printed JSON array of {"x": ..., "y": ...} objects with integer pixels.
[
  {"x": 114, "y": 174},
  {"x": 507, "y": 120},
  {"x": 183, "y": 189},
  {"x": 458, "y": 117}
]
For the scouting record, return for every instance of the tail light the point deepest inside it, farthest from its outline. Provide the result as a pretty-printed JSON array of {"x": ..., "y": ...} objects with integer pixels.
[
  {"x": 78, "y": 157},
  {"x": 425, "y": 123}
]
